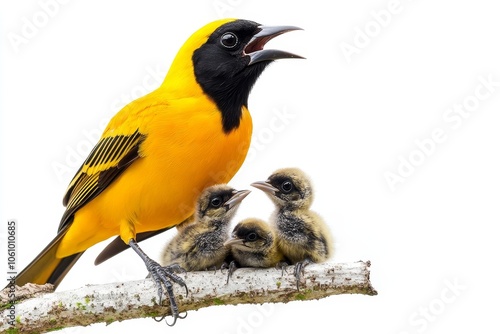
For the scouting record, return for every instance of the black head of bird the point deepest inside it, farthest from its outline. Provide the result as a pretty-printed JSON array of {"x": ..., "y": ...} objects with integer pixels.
[
  {"x": 230, "y": 62},
  {"x": 253, "y": 244},
  {"x": 218, "y": 204},
  {"x": 251, "y": 235},
  {"x": 288, "y": 188}
]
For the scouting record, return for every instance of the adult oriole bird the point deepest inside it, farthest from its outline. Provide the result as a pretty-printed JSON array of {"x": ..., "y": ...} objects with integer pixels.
[
  {"x": 200, "y": 245},
  {"x": 160, "y": 151},
  {"x": 302, "y": 234}
]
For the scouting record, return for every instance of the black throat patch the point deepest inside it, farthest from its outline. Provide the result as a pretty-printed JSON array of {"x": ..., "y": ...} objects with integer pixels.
[
  {"x": 224, "y": 72},
  {"x": 230, "y": 94}
]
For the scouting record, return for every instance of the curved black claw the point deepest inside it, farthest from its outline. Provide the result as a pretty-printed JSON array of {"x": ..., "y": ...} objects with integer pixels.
[
  {"x": 299, "y": 269},
  {"x": 178, "y": 317},
  {"x": 175, "y": 268},
  {"x": 224, "y": 265}
]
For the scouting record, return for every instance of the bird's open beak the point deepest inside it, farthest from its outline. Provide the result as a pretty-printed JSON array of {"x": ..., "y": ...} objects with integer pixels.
[
  {"x": 236, "y": 199},
  {"x": 255, "y": 48},
  {"x": 265, "y": 187},
  {"x": 233, "y": 241}
]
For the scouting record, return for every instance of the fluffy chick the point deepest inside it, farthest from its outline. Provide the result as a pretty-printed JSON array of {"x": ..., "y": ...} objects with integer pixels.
[
  {"x": 200, "y": 244},
  {"x": 302, "y": 235},
  {"x": 253, "y": 244}
]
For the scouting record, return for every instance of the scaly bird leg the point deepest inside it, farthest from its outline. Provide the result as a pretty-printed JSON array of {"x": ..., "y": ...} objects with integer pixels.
[
  {"x": 282, "y": 265},
  {"x": 162, "y": 275},
  {"x": 231, "y": 268},
  {"x": 299, "y": 269}
]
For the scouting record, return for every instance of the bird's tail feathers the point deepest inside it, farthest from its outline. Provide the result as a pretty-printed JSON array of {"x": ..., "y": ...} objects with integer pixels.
[{"x": 46, "y": 267}]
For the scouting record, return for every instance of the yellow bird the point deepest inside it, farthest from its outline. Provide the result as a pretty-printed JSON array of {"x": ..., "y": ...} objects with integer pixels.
[{"x": 160, "y": 151}]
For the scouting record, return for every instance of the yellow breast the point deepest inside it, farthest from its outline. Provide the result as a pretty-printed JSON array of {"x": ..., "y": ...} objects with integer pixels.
[{"x": 184, "y": 152}]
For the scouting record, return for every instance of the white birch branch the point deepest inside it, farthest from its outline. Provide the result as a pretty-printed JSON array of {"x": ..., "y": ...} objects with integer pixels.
[{"x": 138, "y": 299}]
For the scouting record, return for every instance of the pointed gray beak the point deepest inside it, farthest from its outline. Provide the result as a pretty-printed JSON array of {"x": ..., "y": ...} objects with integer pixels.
[
  {"x": 255, "y": 48},
  {"x": 236, "y": 199},
  {"x": 233, "y": 241},
  {"x": 265, "y": 187}
]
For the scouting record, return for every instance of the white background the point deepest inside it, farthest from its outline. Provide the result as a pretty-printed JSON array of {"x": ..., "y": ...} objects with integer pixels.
[{"x": 350, "y": 121}]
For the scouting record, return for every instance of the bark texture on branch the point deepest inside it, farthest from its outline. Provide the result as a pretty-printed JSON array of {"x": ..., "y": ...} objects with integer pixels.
[{"x": 138, "y": 299}]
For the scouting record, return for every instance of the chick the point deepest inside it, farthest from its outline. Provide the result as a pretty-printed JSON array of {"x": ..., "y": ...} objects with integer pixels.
[
  {"x": 200, "y": 244},
  {"x": 302, "y": 235},
  {"x": 253, "y": 244}
]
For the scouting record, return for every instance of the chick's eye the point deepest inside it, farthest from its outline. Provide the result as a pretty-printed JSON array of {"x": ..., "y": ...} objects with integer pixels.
[
  {"x": 287, "y": 186},
  {"x": 229, "y": 40},
  {"x": 216, "y": 202},
  {"x": 252, "y": 236}
]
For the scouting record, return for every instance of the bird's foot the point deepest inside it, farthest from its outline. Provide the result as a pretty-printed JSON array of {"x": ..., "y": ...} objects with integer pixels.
[
  {"x": 225, "y": 265},
  {"x": 281, "y": 265},
  {"x": 175, "y": 268},
  {"x": 231, "y": 268},
  {"x": 212, "y": 268},
  {"x": 163, "y": 277},
  {"x": 299, "y": 270}
]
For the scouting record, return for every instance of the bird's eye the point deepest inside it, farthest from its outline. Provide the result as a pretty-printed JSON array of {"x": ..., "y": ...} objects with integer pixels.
[
  {"x": 252, "y": 236},
  {"x": 229, "y": 40},
  {"x": 216, "y": 202},
  {"x": 286, "y": 186}
]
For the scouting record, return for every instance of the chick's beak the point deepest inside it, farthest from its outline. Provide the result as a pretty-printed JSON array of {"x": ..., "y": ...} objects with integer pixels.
[
  {"x": 233, "y": 241},
  {"x": 236, "y": 199},
  {"x": 255, "y": 48},
  {"x": 265, "y": 187}
]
